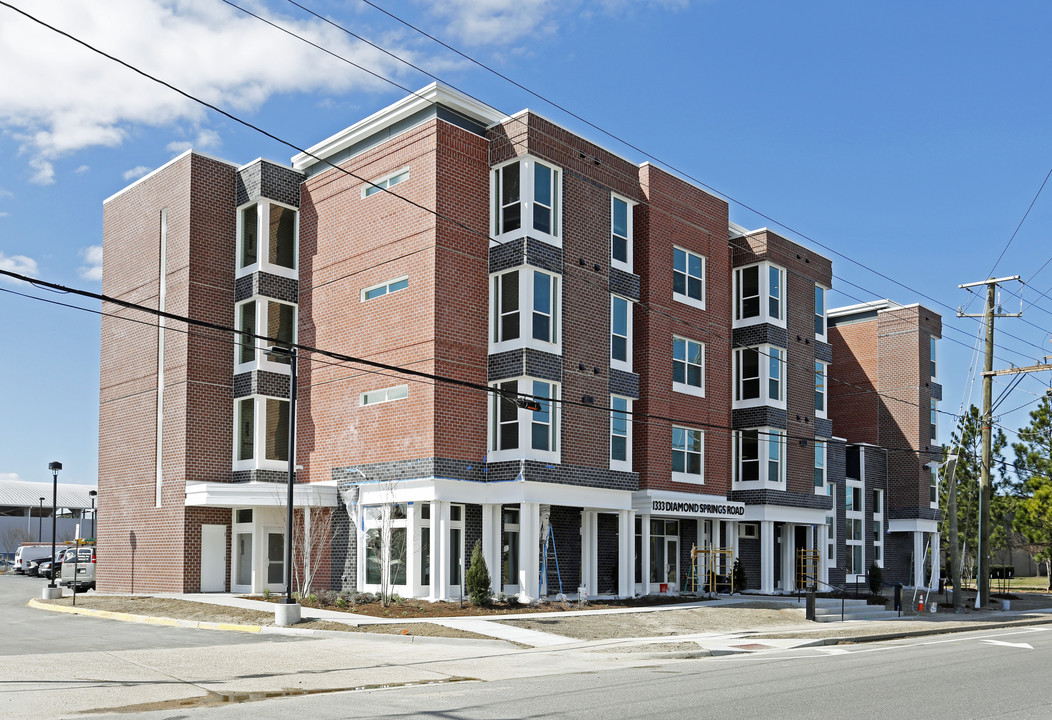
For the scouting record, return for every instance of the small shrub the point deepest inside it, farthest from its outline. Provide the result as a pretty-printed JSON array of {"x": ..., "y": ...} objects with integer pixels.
[
  {"x": 739, "y": 581},
  {"x": 266, "y": 593},
  {"x": 341, "y": 601},
  {"x": 876, "y": 578},
  {"x": 478, "y": 577}
]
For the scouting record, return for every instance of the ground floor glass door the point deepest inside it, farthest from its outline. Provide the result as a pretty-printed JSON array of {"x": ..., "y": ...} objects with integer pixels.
[
  {"x": 275, "y": 558},
  {"x": 664, "y": 553}
]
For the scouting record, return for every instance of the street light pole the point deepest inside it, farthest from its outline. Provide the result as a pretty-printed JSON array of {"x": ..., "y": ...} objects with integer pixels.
[
  {"x": 92, "y": 494},
  {"x": 54, "y": 467},
  {"x": 290, "y": 353},
  {"x": 40, "y": 521}
]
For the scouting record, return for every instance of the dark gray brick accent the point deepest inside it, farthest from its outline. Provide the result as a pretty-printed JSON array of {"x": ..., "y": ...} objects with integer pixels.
[
  {"x": 565, "y": 475},
  {"x": 606, "y": 553},
  {"x": 749, "y": 554},
  {"x": 781, "y": 498},
  {"x": 526, "y": 361},
  {"x": 261, "y": 284},
  {"x": 244, "y": 287},
  {"x": 566, "y": 527},
  {"x": 343, "y": 566},
  {"x": 760, "y": 334},
  {"x": 823, "y": 427},
  {"x": 688, "y": 536},
  {"x": 545, "y": 366},
  {"x": 876, "y": 470},
  {"x": 936, "y": 391},
  {"x": 823, "y": 352},
  {"x": 755, "y": 417},
  {"x": 836, "y": 462},
  {"x": 267, "y": 180},
  {"x": 395, "y": 470},
  {"x": 624, "y": 284},
  {"x": 509, "y": 254},
  {"x": 261, "y": 382},
  {"x": 271, "y": 476},
  {"x": 624, "y": 383},
  {"x": 472, "y": 534}
]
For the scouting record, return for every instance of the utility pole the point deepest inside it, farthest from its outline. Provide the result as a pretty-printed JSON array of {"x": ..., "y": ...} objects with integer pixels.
[{"x": 985, "y": 486}]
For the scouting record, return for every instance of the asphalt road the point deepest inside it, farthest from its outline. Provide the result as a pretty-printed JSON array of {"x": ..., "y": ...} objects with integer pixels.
[
  {"x": 33, "y": 632},
  {"x": 999, "y": 674}
]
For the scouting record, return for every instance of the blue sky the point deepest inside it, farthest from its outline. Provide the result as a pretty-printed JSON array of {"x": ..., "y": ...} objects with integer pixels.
[{"x": 910, "y": 137}]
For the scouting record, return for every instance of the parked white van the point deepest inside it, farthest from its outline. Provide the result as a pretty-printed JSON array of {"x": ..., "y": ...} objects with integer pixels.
[
  {"x": 30, "y": 552},
  {"x": 81, "y": 568}
]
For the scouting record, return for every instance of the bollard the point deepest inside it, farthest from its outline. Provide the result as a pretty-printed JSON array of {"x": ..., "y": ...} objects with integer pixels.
[
  {"x": 898, "y": 598},
  {"x": 809, "y": 612}
]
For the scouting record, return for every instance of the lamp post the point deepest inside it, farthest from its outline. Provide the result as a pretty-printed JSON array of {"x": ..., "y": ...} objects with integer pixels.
[
  {"x": 40, "y": 521},
  {"x": 93, "y": 494},
  {"x": 288, "y": 611},
  {"x": 51, "y": 591}
]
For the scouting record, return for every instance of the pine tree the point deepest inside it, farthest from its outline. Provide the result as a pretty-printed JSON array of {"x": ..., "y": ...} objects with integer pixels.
[
  {"x": 1033, "y": 464},
  {"x": 478, "y": 577}
]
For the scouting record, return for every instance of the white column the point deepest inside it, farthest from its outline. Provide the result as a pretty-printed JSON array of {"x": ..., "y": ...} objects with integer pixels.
[
  {"x": 625, "y": 541},
  {"x": 767, "y": 557},
  {"x": 918, "y": 559},
  {"x": 492, "y": 545},
  {"x": 936, "y": 569},
  {"x": 590, "y": 551},
  {"x": 788, "y": 557},
  {"x": 529, "y": 551},
  {"x": 645, "y": 563},
  {"x": 440, "y": 549},
  {"x": 412, "y": 552},
  {"x": 823, "y": 549}
]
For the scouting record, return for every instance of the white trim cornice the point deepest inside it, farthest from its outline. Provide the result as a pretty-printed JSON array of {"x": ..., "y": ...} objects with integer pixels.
[{"x": 259, "y": 494}]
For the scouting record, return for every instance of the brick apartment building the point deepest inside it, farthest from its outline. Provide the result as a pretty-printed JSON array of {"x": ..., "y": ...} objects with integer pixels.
[{"x": 659, "y": 376}]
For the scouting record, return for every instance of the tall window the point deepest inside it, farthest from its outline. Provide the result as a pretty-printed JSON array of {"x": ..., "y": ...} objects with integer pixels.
[
  {"x": 262, "y": 433},
  {"x": 820, "y": 312},
  {"x": 931, "y": 358},
  {"x": 246, "y": 429},
  {"x": 759, "y": 376},
  {"x": 249, "y": 237},
  {"x": 534, "y": 291},
  {"x": 526, "y": 196},
  {"x": 281, "y": 239},
  {"x": 688, "y": 277},
  {"x": 386, "y": 534},
  {"x": 759, "y": 294},
  {"x": 620, "y": 233},
  {"x": 934, "y": 429},
  {"x": 933, "y": 487},
  {"x": 281, "y": 325},
  {"x": 687, "y": 452},
  {"x": 620, "y": 433},
  {"x": 820, "y": 389},
  {"x": 853, "y": 512},
  {"x": 509, "y": 556},
  {"x": 820, "y": 465},
  {"x": 878, "y": 527},
  {"x": 759, "y": 455},
  {"x": 688, "y": 366},
  {"x": 519, "y": 431},
  {"x": 276, "y": 226},
  {"x": 620, "y": 333},
  {"x": 246, "y": 319}
]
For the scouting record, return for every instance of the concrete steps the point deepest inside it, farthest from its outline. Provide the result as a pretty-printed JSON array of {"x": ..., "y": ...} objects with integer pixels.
[{"x": 828, "y": 610}]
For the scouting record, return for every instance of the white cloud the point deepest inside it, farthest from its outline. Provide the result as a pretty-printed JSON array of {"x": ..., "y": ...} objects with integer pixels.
[
  {"x": 19, "y": 264},
  {"x": 92, "y": 267},
  {"x": 205, "y": 140},
  {"x": 4, "y": 214},
  {"x": 9, "y": 476},
  {"x": 82, "y": 169},
  {"x": 64, "y": 98},
  {"x": 136, "y": 172}
]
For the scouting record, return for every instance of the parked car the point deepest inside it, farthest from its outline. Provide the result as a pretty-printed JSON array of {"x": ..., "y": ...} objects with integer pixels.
[
  {"x": 31, "y": 552},
  {"x": 79, "y": 571},
  {"x": 51, "y": 569}
]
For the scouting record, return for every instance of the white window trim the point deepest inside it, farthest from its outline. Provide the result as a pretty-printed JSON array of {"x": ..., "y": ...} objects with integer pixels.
[
  {"x": 686, "y": 388},
  {"x": 383, "y": 395},
  {"x": 821, "y": 489},
  {"x": 933, "y": 351},
  {"x": 858, "y": 514},
  {"x": 765, "y": 352},
  {"x": 526, "y": 298},
  {"x": 526, "y": 194},
  {"x": 626, "y": 266},
  {"x": 260, "y": 359},
  {"x": 831, "y": 541},
  {"x": 385, "y": 524},
  {"x": 824, "y": 337},
  {"x": 387, "y": 284},
  {"x": 626, "y": 464},
  {"x": 933, "y": 470},
  {"x": 748, "y": 531},
  {"x": 765, "y": 436},
  {"x": 765, "y": 293},
  {"x": 625, "y": 364},
  {"x": 686, "y": 299},
  {"x": 690, "y": 478},
  {"x": 524, "y": 419},
  {"x": 824, "y": 412},
  {"x": 878, "y": 524},
  {"x": 263, "y": 211},
  {"x": 383, "y": 183},
  {"x": 258, "y": 461}
]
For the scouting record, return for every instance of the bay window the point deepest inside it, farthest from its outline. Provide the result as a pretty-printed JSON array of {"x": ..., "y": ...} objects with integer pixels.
[
  {"x": 759, "y": 375},
  {"x": 516, "y": 430},
  {"x": 526, "y": 196},
  {"x": 267, "y": 234},
  {"x": 759, "y": 294},
  {"x": 620, "y": 233},
  {"x": 524, "y": 310},
  {"x": 759, "y": 456},
  {"x": 620, "y": 333}
]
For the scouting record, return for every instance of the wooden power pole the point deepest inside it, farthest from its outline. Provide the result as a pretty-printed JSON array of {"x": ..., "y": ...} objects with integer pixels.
[{"x": 985, "y": 485}]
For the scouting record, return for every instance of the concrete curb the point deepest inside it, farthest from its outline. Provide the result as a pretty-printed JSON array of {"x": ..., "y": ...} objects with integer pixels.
[
  {"x": 266, "y": 629},
  {"x": 904, "y": 634}
]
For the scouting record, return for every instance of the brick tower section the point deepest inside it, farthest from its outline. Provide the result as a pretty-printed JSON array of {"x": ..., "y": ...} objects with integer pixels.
[{"x": 196, "y": 196}]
